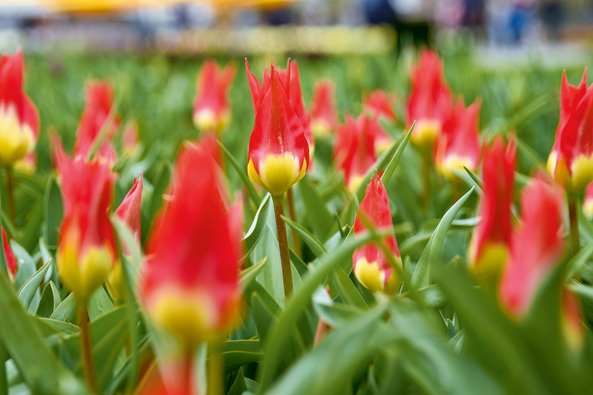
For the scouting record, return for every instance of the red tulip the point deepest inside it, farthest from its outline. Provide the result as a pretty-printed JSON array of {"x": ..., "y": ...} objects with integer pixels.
[
  {"x": 380, "y": 103},
  {"x": 130, "y": 138},
  {"x": 87, "y": 249},
  {"x": 212, "y": 109},
  {"x": 97, "y": 113},
  {"x": 538, "y": 244},
  {"x": 278, "y": 148},
  {"x": 9, "y": 255},
  {"x": 324, "y": 115},
  {"x": 429, "y": 100},
  {"x": 491, "y": 240},
  {"x": 371, "y": 266},
  {"x": 354, "y": 148},
  {"x": 571, "y": 161},
  {"x": 129, "y": 212},
  {"x": 572, "y": 322},
  {"x": 459, "y": 142},
  {"x": 190, "y": 281},
  {"x": 19, "y": 121}
]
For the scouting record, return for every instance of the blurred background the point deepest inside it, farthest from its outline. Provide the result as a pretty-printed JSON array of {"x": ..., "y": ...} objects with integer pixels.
[{"x": 510, "y": 53}]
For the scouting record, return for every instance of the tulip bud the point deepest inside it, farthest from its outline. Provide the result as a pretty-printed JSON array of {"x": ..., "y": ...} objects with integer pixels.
[
  {"x": 87, "y": 250},
  {"x": 212, "y": 110},
  {"x": 458, "y": 146},
  {"x": 538, "y": 244},
  {"x": 429, "y": 100},
  {"x": 354, "y": 149},
  {"x": 324, "y": 115},
  {"x": 19, "y": 121},
  {"x": 130, "y": 138},
  {"x": 371, "y": 266},
  {"x": 9, "y": 255},
  {"x": 129, "y": 212},
  {"x": 189, "y": 284},
  {"x": 571, "y": 160},
  {"x": 491, "y": 240},
  {"x": 278, "y": 149}
]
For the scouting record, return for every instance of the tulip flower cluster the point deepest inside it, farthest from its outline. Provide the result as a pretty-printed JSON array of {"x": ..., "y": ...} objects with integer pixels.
[{"x": 176, "y": 288}]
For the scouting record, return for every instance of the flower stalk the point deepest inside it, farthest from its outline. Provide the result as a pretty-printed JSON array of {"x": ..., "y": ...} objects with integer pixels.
[
  {"x": 296, "y": 241},
  {"x": 283, "y": 244},
  {"x": 86, "y": 353},
  {"x": 215, "y": 369},
  {"x": 573, "y": 216},
  {"x": 10, "y": 192}
]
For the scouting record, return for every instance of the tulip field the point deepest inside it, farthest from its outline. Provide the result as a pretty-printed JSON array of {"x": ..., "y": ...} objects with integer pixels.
[{"x": 416, "y": 223}]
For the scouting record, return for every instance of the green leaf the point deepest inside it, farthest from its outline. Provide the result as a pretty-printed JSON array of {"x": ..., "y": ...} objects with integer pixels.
[
  {"x": 160, "y": 184},
  {"x": 578, "y": 261},
  {"x": 253, "y": 195},
  {"x": 248, "y": 275},
  {"x": 258, "y": 225},
  {"x": 477, "y": 181},
  {"x": 99, "y": 304},
  {"x": 263, "y": 317},
  {"x": 50, "y": 300},
  {"x": 36, "y": 363},
  {"x": 239, "y": 386},
  {"x": 66, "y": 311},
  {"x": 28, "y": 290},
  {"x": 312, "y": 242},
  {"x": 334, "y": 314},
  {"x": 316, "y": 213},
  {"x": 390, "y": 169},
  {"x": 422, "y": 275},
  {"x": 53, "y": 213},
  {"x": 282, "y": 330},
  {"x": 236, "y": 353},
  {"x": 26, "y": 265}
]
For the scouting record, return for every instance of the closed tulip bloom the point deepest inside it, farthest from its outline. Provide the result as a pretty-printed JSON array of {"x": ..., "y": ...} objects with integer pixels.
[
  {"x": 491, "y": 240},
  {"x": 278, "y": 148},
  {"x": 19, "y": 121},
  {"x": 354, "y": 149},
  {"x": 458, "y": 146},
  {"x": 538, "y": 244},
  {"x": 129, "y": 212},
  {"x": 429, "y": 100},
  {"x": 295, "y": 98},
  {"x": 87, "y": 249},
  {"x": 371, "y": 266},
  {"x": 97, "y": 117},
  {"x": 189, "y": 283},
  {"x": 212, "y": 109},
  {"x": 324, "y": 114},
  {"x": 571, "y": 160},
  {"x": 9, "y": 255},
  {"x": 380, "y": 103}
]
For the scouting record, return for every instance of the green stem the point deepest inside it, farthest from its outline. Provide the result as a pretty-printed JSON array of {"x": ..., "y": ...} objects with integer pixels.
[
  {"x": 426, "y": 159},
  {"x": 3, "y": 378},
  {"x": 296, "y": 242},
  {"x": 573, "y": 215},
  {"x": 10, "y": 192},
  {"x": 283, "y": 244},
  {"x": 215, "y": 372},
  {"x": 86, "y": 353}
]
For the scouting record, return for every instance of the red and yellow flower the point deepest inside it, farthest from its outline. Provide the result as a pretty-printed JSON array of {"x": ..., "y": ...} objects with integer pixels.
[
  {"x": 458, "y": 145},
  {"x": 371, "y": 266},
  {"x": 98, "y": 121},
  {"x": 491, "y": 241},
  {"x": 87, "y": 249},
  {"x": 129, "y": 212},
  {"x": 212, "y": 109},
  {"x": 278, "y": 148},
  {"x": 19, "y": 120},
  {"x": 571, "y": 160},
  {"x": 324, "y": 114},
  {"x": 380, "y": 103},
  {"x": 11, "y": 263},
  {"x": 189, "y": 283},
  {"x": 354, "y": 148},
  {"x": 429, "y": 101}
]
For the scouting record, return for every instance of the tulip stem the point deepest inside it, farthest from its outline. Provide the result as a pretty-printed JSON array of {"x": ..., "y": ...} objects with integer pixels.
[
  {"x": 10, "y": 192},
  {"x": 215, "y": 372},
  {"x": 573, "y": 215},
  {"x": 3, "y": 379},
  {"x": 296, "y": 242},
  {"x": 426, "y": 159},
  {"x": 85, "y": 347},
  {"x": 283, "y": 244}
]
